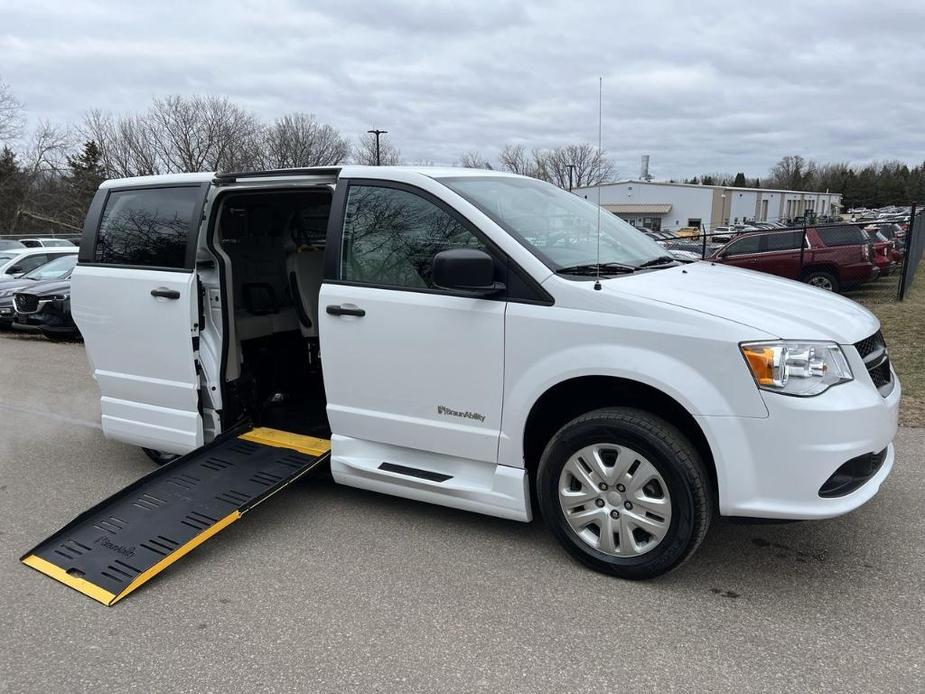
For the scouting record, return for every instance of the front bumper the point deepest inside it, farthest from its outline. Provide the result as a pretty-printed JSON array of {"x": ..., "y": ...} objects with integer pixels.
[
  {"x": 774, "y": 467},
  {"x": 52, "y": 317}
]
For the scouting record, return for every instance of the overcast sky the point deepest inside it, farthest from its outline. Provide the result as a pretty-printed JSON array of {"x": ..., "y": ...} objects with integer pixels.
[{"x": 701, "y": 87}]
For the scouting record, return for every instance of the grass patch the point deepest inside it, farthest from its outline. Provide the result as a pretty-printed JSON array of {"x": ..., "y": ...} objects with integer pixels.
[{"x": 904, "y": 329}]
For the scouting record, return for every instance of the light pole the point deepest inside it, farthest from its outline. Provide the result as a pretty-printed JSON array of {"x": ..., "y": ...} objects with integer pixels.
[
  {"x": 377, "y": 133},
  {"x": 571, "y": 170}
]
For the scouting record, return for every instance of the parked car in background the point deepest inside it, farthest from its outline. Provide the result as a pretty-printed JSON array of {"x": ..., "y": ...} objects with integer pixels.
[
  {"x": 15, "y": 262},
  {"x": 10, "y": 244},
  {"x": 58, "y": 269},
  {"x": 45, "y": 307},
  {"x": 892, "y": 231},
  {"x": 45, "y": 242},
  {"x": 721, "y": 234},
  {"x": 835, "y": 257},
  {"x": 885, "y": 253},
  {"x": 681, "y": 247}
]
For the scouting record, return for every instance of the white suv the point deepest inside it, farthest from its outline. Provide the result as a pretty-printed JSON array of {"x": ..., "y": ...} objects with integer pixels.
[
  {"x": 15, "y": 262},
  {"x": 483, "y": 341}
]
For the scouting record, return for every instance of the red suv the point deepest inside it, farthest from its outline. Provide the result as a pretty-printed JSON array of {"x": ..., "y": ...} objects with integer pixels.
[{"x": 835, "y": 257}]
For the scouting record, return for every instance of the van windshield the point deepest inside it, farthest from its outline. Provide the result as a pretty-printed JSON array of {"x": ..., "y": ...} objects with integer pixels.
[{"x": 557, "y": 226}]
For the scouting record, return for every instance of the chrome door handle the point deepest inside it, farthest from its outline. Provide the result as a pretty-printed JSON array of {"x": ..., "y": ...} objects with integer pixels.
[
  {"x": 165, "y": 293},
  {"x": 335, "y": 310}
]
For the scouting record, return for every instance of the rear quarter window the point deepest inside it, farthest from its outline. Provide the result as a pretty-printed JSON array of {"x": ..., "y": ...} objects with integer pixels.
[
  {"x": 841, "y": 236},
  {"x": 147, "y": 227}
]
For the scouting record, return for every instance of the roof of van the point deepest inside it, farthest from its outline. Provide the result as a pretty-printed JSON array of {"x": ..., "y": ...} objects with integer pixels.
[{"x": 349, "y": 171}]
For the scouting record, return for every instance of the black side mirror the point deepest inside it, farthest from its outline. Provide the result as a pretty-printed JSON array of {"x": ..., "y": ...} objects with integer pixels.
[{"x": 467, "y": 271}]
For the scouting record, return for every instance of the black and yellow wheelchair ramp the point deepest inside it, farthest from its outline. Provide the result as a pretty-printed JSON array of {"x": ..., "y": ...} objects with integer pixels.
[{"x": 122, "y": 542}]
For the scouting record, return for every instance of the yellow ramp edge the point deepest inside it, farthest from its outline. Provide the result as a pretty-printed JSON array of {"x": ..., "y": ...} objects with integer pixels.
[
  {"x": 284, "y": 439},
  {"x": 109, "y": 599},
  {"x": 62, "y": 576}
]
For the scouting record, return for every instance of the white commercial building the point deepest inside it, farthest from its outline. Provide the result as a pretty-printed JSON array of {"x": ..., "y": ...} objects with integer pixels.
[{"x": 675, "y": 205}]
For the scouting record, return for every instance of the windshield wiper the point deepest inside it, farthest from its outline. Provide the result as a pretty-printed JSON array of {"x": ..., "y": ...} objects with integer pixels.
[
  {"x": 594, "y": 268},
  {"x": 655, "y": 262}
]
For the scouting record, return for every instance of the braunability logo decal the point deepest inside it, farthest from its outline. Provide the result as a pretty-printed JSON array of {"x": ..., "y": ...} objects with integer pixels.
[{"x": 450, "y": 412}]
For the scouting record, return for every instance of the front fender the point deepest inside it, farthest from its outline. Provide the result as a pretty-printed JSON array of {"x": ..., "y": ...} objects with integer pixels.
[{"x": 703, "y": 371}]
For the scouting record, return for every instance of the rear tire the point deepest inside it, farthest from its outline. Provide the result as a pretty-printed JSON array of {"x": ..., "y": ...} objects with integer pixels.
[
  {"x": 159, "y": 457},
  {"x": 822, "y": 280},
  {"x": 640, "y": 508}
]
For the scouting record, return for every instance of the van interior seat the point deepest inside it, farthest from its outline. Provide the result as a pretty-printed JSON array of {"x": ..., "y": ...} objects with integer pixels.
[{"x": 261, "y": 297}]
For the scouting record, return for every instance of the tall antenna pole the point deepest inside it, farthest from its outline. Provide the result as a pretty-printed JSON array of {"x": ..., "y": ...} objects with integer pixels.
[{"x": 600, "y": 137}]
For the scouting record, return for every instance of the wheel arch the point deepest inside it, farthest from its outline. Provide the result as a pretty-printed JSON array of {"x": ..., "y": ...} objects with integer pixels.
[
  {"x": 571, "y": 398},
  {"x": 820, "y": 267}
]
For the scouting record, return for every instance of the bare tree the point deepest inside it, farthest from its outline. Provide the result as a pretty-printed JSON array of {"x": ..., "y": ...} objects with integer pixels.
[
  {"x": 588, "y": 167},
  {"x": 202, "y": 133},
  {"x": 40, "y": 176},
  {"x": 176, "y": 134},
  {"x": 792, "y": 172},
  {"x": 10, "y": 113},
  {"x": 297, "y": 139},
  {"x": 365, "y": 151},
  {"x": 474, "y": 160},
  {"x": 124, "y": 146},
  {"x": 516, "y": 159}
]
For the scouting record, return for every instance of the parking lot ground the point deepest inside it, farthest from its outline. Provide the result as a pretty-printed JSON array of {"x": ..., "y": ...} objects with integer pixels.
[{"x": 326, "y": 588}]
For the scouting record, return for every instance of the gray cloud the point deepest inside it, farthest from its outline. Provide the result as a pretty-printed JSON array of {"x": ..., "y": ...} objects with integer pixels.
[{"x": 711, "y": 87}]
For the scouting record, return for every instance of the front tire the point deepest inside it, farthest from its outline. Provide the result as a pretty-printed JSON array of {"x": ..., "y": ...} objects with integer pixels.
[{"x": 624, "y": 492}]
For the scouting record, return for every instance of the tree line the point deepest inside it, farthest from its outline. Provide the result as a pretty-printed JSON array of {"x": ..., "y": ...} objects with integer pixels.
[
  {"x": 48, "y": 177},
  {"x": 873, "y": 185}
]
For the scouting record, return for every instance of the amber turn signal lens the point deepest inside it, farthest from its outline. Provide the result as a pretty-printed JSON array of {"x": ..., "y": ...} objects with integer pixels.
[{"x": 761, "y": 361}]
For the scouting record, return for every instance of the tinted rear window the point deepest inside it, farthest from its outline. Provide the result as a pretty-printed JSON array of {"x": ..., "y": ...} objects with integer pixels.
[
  {"x": 841, "y": 236},
  {"x": 148, "y": 227}
]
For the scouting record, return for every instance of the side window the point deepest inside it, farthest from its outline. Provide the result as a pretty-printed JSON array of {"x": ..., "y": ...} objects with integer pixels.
[
  {"x": 148, "y": 227},
  {"x": 30, "y": 262},
  {"x": 391, "y": 237},
  {"x": 745, "y": 245},
  {"x": 787, "y": 241}
]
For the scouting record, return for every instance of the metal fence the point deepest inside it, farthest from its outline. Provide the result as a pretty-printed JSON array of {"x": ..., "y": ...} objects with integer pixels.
[{"x": 915, "y": 247}]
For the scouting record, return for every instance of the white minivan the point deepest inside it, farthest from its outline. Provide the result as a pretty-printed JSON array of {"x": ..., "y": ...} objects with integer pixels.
[{"x": 483, "y": 341}]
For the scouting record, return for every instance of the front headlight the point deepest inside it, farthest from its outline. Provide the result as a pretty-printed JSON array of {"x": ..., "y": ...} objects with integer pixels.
[{"x": 796, "y": 368}]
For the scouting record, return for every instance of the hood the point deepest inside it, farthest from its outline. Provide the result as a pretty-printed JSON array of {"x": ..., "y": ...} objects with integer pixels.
[
  {"x": 10, "y": 286},
  {"x": 47, "y": 287},
  {"x": 785, "y": 308}
]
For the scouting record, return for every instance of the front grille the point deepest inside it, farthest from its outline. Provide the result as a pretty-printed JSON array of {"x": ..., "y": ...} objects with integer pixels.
[
  {"x": 877, "y": 360},
  {"x": 872, "y": 344},
  {"x": 26, "y": 303}
]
